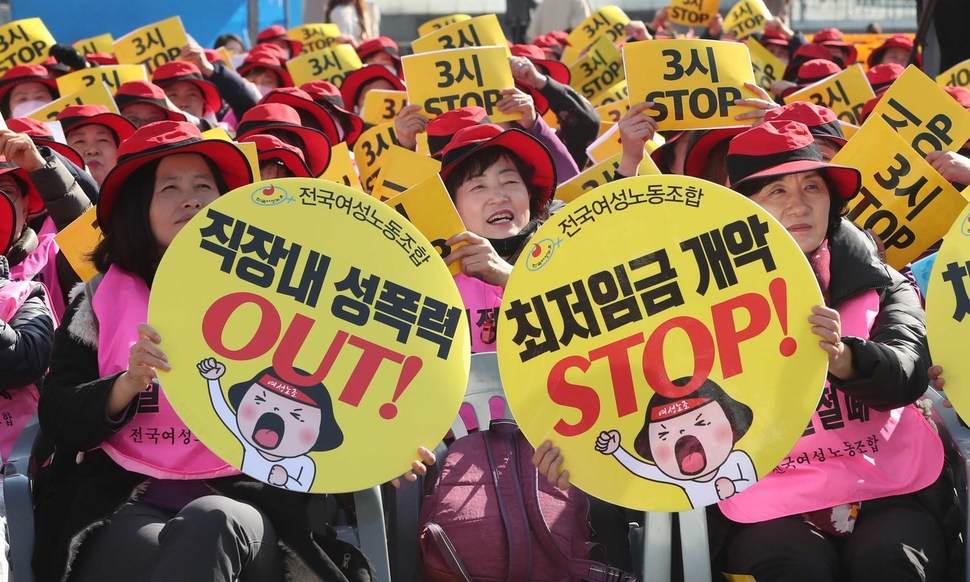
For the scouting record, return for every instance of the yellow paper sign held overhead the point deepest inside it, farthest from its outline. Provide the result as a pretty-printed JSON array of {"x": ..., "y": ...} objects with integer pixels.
[
  {"x": 97, "y": 94},
  {"x": 152, "y": 45},
  {"x": 441, "y": 81},
  {"x": 600, "y": 69},
  {"x": 609, "y": 21},
  {"x": 341, "y": 168},
  {"x": 904, "y": 201},
  {"x": 332, "y": 64},
  {"x": 77, "y": 240},
  {"x": 845, "y": 93},
  {"x": 692, "y": 83},
  {"x": 434, "y": 24},
  {"x": 428, "y": 207},
  {"x": 766, "y": 66},
  {"x": 381, "y": 105},
  {"x": 745, "y": 18},
  {"x": 286, "y": 368},
  {"x": 401, "y": 169},
  {"x": 314, "y": 37},
  {"x": 111, "y": 75},
  {"x": 923, "y": 114},
  {"x": 103, "y": 43},
  {"x": 24, "y": 42},
  {"x": 691, "y": 12},
  {"x": 608, "y": 144},
  {"x": 600, "y": 174},
  {"x": 371, "y": 147},
  {"x": 618, "y": 92},
  {"x": 482, "y": 30},
  {"x": 956, "y": 76},
  {"x": 613, "y": 112}
]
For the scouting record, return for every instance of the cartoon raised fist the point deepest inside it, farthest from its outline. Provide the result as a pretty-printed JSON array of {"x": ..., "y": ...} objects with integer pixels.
[
  {"x": 725, "y": 488},
  {"x": 608, "y": 442},
  {"x": 278, "y": 475},
  {"x": 211, "y": 369}
]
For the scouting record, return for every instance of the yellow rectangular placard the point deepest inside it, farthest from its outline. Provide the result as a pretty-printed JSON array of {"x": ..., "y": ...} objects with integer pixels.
[
  {"x": 429, "y": 207},
  {"x": 152, "y": 45},
  {"x": 381, "y": 105},
  {"x": 618, "y": 92},
  {"x": 598, "y": 70},
  {"x": 766, "y": 66},
  {"x": 97, "y": 94},
  {"x": 77, "y": 240},
  {"x": 248, "y": 148},
  {"x": 341, "y": 168},
  {"x": 845, "y": 93},
  {"x": 608, "y": 144},
  {"x": 24, "y": 42},
  {"x": 482, "y": 30},
  {"x": 923, "y": 114},
  {"x": 691, "y": 12},
  {"x": 369, "y": 151},
  {"x": 315, "y": 37},
  {"x": 434, "y": 24},
  {"x": 401, "y": 169},
  {"x": 598, "y": 175},
  {"x": 745, "y": 18},
  {"x": 103, "y": 43},
  {"x": 459, "y": 78},
  {"x": 956, "y": 76},
  {"x": 693, "y": 84},
  {"x": 111, "y": 75},
  {"x": 904, "y": 201},
  {"x": 332, "y": 64},
  {"x": 608, "y": 20},
  {"x": 613, "y": 112}
]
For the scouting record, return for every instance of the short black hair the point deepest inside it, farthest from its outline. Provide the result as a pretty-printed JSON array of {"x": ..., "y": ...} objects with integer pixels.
[
  {"x": 837, "y": 206},
  {"x": 223, "y": 39},
  {"x": 737, "y": 413},
  {"x": 130, "y": 243},
  {"x": 476, "y": 164}
]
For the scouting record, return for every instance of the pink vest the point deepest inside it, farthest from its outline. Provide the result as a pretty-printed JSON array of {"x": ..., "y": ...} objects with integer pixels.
[
  {"x": 155, "y": 442},
  {"x": 482, "y": 303},
  {"x": 17, "y": 405},
  {"x": 41, "y": 266},
  {"x": 849, "y": 453}
]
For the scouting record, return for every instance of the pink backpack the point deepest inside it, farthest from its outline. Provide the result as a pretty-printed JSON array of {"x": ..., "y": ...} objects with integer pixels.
[{"x": 488, "y": 518}]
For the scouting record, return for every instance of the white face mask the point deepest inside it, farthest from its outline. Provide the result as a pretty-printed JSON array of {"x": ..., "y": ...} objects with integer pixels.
[{"x": 25, "y": 107}]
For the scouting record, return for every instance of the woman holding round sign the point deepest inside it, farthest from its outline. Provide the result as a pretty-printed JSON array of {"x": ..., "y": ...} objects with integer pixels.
[{"x": 130, "y": 494}]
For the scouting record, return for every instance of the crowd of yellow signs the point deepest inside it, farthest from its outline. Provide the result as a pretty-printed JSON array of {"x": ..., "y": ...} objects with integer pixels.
[{"x": 390, "y": 377}]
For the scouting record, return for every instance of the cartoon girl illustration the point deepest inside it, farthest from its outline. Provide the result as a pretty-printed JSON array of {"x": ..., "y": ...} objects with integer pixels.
[
  {"x": 277, "y": 424},
  {"x": 690, "y": 443}
]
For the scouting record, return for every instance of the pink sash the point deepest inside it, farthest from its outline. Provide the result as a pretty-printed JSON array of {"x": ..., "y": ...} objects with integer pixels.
[
  {"x": 482, "y": 303},
  {"x": 155, "y": 442},
  {"x": 41, "y": 266},
  {"x": 849, "y": 452}
]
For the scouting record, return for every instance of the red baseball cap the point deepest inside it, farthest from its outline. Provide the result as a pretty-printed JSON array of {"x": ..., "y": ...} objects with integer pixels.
[
  {"x": 381, "y": 44},
  {"x": 155, "y": 141},
  {"x": 327, "y": 95},
  {"x": 882, "y": 76},
  {"x": 27, "y": 74},
  {"x": 182, "y": 71},
  {"x": 441, "y": 129},
  {"x": 555, "y": 70},
  {"x": 149, "y": 93},
  {"x": 815, "y": 70},
  {"x": 701, "y": 149},
  {"x": 473, "y": 139},
  {"x": 272, "y": 117},
  {"x": 8, "y": 221},
  {"x": 354, "y": 83},
  {"x": 267, "y": 56},
  {"x": 961, "y": 94},
  {"x": 895, "y": 41},
  {"x": 272, "y": 149},
  {"x": 777, "y": 148},
  {"x": 42, "y": 136},
  {"x": 820, "y": 121},
  {"x": 311, "y": 113},
  {"x": 77, "y": 116},
  {"x": 868, "y": 107},
  {"x": 775, "y": 38},
  {"x": 833, "y": 37},
  {"x": 277, "y": 32}
]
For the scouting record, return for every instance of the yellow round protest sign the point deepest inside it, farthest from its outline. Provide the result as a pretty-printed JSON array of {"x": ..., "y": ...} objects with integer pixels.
[
  {"x": 315, "y": 337},
  {"x": 948, "y": 312},
  {"x": 656, "y": 332}
]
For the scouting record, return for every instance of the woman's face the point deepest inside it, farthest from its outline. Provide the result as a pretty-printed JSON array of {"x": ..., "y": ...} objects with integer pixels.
[
  {"x": 234, "y": 46},
  {"x": 184, "y": 184},
  {"x": 20, "y": 203},
  {"x": 897, "y": 55},
  {"x": 97, "y": 146},
  {"x": 25, "y": 97},
  {"x": 494, "y": 204},
  {"x": 779, "y": 52},
  {"x": 186, "y": 97},
  {"x": 692, "y": 445},
  {"x": 838, "y": 52},
  {"x": 382, "y": 58},
  {"x": 801, "y": 203},
  {"x": 271, "y": 170},
  {"x": 827, "y": 148},
  {"x": 264, "y": 79},
  {"x": 140, "y": 114}
]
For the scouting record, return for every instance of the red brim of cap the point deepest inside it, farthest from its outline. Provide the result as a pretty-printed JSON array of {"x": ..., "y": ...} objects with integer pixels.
[
  {"x": 853, "y": 53},
  {"x": 875, "y": 55},
  {"x": 352, "y": 84},
  {"x": 845, "y": 180},
  {"x": 168, "y": 113},
  {"x": 328, "y": 125},
  {"x": 529, "y": 150},
  {"x": 352, "y": 125},
  {"x": 281, "y": 72},
  {"x": 555, "y": 69},
  {"x": 7, "y": 87},
  {"x": 291, "y": 161},
  {"x": 701, "y": 149},
  {"x": 775, "y": 42},
  {"x": 229, "y": 159},
  {"x": 658, "y": 154},
  {"x": 316, "y": 146},
  {"x": 65, "y": 150},
  {"x": 8, "y": 220},
  {"x": 211, "y": 96},
  {"x": 35, "y": 203},
  {"x": 121, "y": 127}
]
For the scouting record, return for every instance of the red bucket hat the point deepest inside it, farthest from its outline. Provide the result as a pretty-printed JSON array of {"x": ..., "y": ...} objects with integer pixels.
[
  {"x": 553, "y": 69},
  {"x": 805, "y": 53},
  {"x": 961, "y": 94},
  {"x": 895, "y": 41},
  {"x": 310, "y": 112},
  {"x": 27, "y": 74},
  {"x": 272, "y": 149},
  {"x": 279, "y": 117},
  {"x": 441, "y": 129},
  {"x": 146, "y": 92},
  {"x": 381, "y": 44},
  {"x": 164, "y": 138},
  {"x": 867, "y": 108},
  {"x": 35, "y": 202},
  {"x": 820, "y": 121},
  {"x": 474, "y": 139},
  {"x": 77, "y": 116},
  {"x": 701, "y": 149},
  {"x": 774, "y": 38},
  {"x": 815, "y": 70},
  {"x": 777, "y": 148},
  {"x": 175, "y": 71},
  {"x": 8, "y": 220},
  {"x": 881, "y": 77},
  {"x": 42, "y": 136},
  {"x": 354, "y": 82},
  {"x": 327, "y": 95},
  {"x": 267, "y": 56},
  {"x": 833, "y": 37},
  {"x": 277, "y": 32}
]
